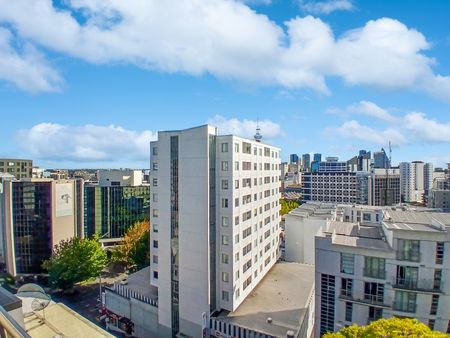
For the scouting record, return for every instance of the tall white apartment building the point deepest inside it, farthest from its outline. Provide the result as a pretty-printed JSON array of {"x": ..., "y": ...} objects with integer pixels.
[
  {"x": 416, "y": 178},
  {"x": 215, "y": 223},
  {"x": 383, "y": 265}
]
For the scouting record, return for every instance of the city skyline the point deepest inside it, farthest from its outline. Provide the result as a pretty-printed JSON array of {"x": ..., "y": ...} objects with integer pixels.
[{"x": 94, "y": 93}]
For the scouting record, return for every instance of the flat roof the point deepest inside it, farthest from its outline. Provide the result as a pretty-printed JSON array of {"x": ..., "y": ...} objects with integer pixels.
[
  {"x": 140, "y": 283},
  {"x": 416, "y": 220},
  {"x": 60, "y": 321},
  {"x": 283, "y": 295},
  {"x": 355, "y": 235},
  {"x": 9, "y": 301},
  {"x": 314, "y": 209}
]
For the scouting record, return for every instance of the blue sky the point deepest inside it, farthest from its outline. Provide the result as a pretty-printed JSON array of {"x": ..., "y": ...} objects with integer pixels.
[{"x": 87, "y": 83}]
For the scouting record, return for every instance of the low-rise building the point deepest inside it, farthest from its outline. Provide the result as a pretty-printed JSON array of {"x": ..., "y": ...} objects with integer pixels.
[{"x": 20, "y": 168}]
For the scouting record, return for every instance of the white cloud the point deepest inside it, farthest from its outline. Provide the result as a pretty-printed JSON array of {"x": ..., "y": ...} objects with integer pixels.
[
  {"x": 25, "y": 68},
  {"x": 89, "y": 143},
  {"x": 371, "y": 109},
  {"x": 245, "y": 128},
  {"x": 326, "y": 7},
  {"x": 229, "y": 40},
  {"x": 409, "y": 128}
]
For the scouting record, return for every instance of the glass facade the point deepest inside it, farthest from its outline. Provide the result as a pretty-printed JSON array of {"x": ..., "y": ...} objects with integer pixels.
[
  {"x": 32, "y": 221},
  {"x": 110, "y": 211}
]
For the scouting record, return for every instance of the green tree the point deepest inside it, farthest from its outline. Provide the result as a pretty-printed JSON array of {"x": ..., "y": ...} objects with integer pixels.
[
  {"x": 388, "y": 328},
  {"x": 288, "y": 205},
  {"x": 135, "y": 246},
  {"x": 75, "y": 260}
]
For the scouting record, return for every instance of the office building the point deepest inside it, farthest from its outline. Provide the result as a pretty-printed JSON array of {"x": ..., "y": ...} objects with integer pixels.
[
  {"x": 293, "y": 158},
  {"x": 384, "y": 187},
  {"x": 116, "y": 203},
  {"x": 416, "y": 179},
  {"x": 18, "y": 167},
  {"x": 381, "y": 160},
  {"x": 332, "y": 164},
  {"x": 317, "y": 158},
  {"x": 215, "y": 224},
  {"x": 306, "y": 162},
  {"x": 338, "y": 187},
  {"x": 439, "y": 198},
  {"x": 362, "y": 162},
  {"x": 396, "y": 265},
  {"x": 37, "y": 215}
]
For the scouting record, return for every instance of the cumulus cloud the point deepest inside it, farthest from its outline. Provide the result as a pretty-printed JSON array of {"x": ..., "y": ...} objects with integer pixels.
[
  {"x": 409, "y": 128},
  {"x": 245, "y": 128},
  {"x": 25, "y": 67},
  {"x": 229, "y": 40},
  {"x": 326, "y": 7},
  {"x": 89, "y": 143}
]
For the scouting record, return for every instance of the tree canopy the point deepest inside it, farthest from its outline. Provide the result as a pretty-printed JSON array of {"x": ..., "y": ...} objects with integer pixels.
[
  {"x": 75, "y": 260},
  {"x": 135, "y": 247},
  {"x": 288, "y": 205},
  {"x": 388, "y": 328}
]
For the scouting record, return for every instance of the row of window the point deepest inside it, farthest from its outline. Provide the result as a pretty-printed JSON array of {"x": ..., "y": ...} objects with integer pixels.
[{"x": 247, "y": 149}]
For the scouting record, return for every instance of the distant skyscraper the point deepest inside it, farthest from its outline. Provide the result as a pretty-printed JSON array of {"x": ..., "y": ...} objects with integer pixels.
[
  {"x": 380, "y": 159},
  {"x": 293, "y": 158},
  {"x": 306, "y": 162},
  {"x": 317, "y": 157},
  {"x": 416, "y": 179}
]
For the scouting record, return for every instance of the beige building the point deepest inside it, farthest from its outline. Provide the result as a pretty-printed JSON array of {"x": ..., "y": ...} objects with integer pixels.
[
  {"x": 20, "y": 168},
  {"x": 36, "y": 214}
]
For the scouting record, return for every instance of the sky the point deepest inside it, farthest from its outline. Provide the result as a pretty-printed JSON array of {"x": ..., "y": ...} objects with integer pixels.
[{"x": 88, "y": 83}]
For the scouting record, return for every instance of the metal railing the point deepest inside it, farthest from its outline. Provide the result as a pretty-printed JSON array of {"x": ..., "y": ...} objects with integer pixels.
[
  {"x": 374, "y": 274},
  {"x": 425, "y": 285},
  {"x": 125, "y": 292},
  {"x": 404, "y": 307},
  {"x": 9, "y": 327}
]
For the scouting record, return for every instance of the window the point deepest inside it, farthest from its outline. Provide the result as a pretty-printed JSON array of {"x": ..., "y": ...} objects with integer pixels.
[
  {"x": 224, "y": 147},
  {"x": 236, "y": 147},
  {"x": 225, "y": 184},
  {"x": 366, "y": 217},
  {"x": 155, "y": 166},
  {"x": 408, "y": 250},
  {"x": 225, "y": 296},
  {"x": 247, "y": 282},
  {"x": 434, "y": 304},
  {"x": 348, "y": 311},
  {"x": 246, "y": 249},
  {"x": 247, "y": 265},
  {"x": 155, "y": 197},
  {"x": 236, "y": 202},
  {"x": 155, "y": 151},
  {"x": 431, "y": 323},
  {"x": 155, "y": 274},
  {"x": 440, "y": 253},
  {"x": 236, "y": 184},
  {"x": 155, "y": 259},
  {"x": 405, "y": 301},
  {"x": 225, "y": 240},
  {"x": 236, "y": 275},
  {"x": 236, "y": 165},
  {"x": 155, "y": 212},
  {"x": 155, "y": 227},
  {"x": 224, "y": 165},
  {"x": 375, "y": 313},
  {"x": 374, "y": 267},
  {"x": 236, "y": 220},
  {"x": 246, "y": 165},
  {"x": 437, "y": 279},
  {"x": 246, "y": 148},
  {"x": 224, "y": 258},
  {"x": 224, "y": 221},
  {"x": 346, "y": 287},
  {"x": 224, "y": 202},
  {"x": 374, "y": 292},
  {"x": 236, "y": 238},
  {"x": 407, "y": 276},
  {"x": 236, "y": 257},
  {"x": 247, "y": 232},
  {"x": 155, "y": 244},
  {"x": 155, "y": 182},
  {"x": 225, "y": 277}
]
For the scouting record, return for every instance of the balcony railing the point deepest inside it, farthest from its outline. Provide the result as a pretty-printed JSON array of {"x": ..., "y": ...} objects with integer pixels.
[
  {"x": 425, "y": 285},
  {"x": 374, "y": 274},
  {"x": 367, "y": 299},
  {"x": 404, "y": 307},
  {"x": 346, "y": 293},
  {"x": 9, "y": 327},
  {"x": 374, "y": 299},
  {"x": 410, "y": 257}
]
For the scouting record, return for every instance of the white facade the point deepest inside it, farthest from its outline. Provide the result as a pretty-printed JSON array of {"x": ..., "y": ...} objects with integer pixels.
[
  {"x": 225, "y": 236},
  {"x": 398, "y": 267},
  {"x": 119, "y": 177},
  {"x": 416, "y": 178}
]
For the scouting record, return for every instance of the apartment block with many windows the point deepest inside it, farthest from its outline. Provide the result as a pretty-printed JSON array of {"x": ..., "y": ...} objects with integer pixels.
[
  {"x": 398, "y": 266},
  {"x": 215, "y": 223}
]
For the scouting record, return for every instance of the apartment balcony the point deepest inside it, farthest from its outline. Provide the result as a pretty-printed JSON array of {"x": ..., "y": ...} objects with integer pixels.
[
  {"x": 404, "y": 307},
  {"x": 374, "y": 274},
  {"x": 366, "y": 300},
  {"x": 422, "y": 285}
]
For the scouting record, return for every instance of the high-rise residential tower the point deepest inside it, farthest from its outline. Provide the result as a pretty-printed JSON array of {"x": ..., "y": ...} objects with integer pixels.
[
  {"x": 215, "y": 223},
  {"x": 416, "y": 179}
]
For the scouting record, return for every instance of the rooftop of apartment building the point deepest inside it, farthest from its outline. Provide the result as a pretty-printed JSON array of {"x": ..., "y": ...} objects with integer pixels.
[
  {"x": 138, "y": 283},
  {"x": 283, "y": 295},
  {"x": 416, "y": 220},
  {"x": 314, "y": 209},
  {"x": 355, "y": 235}
]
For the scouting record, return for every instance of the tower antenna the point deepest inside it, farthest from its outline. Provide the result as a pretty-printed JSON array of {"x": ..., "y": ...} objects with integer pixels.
[{"x": 258, "y": 136}]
